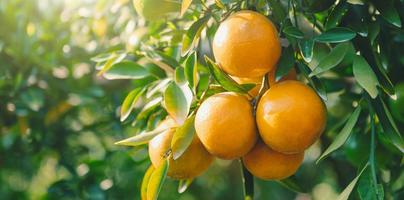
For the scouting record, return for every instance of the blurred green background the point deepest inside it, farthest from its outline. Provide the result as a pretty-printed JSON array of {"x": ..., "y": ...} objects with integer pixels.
[{"x": 59, "y": 120}]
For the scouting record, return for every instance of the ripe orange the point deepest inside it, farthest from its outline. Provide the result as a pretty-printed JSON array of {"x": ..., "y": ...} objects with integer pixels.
[
  {"x": 193, "y": 162},
  {"x": 225, "y": 124},
  {"x": 246, "y": 45},
  {"x": 268, "y": 164},
  {"x": 291, "y": 75},
  {"x": 290, "y": 117}
]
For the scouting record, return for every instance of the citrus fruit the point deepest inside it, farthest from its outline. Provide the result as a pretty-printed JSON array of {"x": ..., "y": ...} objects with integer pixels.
[
  {"x": 290, "y": 117},
  {"x": 225, "y": 124},
  {"x": 268, "y": 164},
  {"x": 246, "y": 45},
  {"x": 155, "y": 9},
  {"x": 193, "y": 162},
  {"x": 291, "y": 75},
  {"x": 397, "y": 105}
]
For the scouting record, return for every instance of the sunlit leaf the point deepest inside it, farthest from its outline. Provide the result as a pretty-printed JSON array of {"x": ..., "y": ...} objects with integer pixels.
[
  {"x": 126, "y": 70},
  {"x": 129, "y": 102},
  {"x": 156, "y": 180},
  {"x": 332, "y": 59},
  {"x": 191, "y": 70},
  {"x": 145, "y": 182},
  {"x": 141, "y": 138},
  {"x": 191, "y": 37},
  {"x": 365, "y": 76},
  {"x": 285, "y": 63},
  {"x": 347, "y": 191},
  {"x": 335, "y": 35},
  {"x": 293, "y": 32},
  {"x": 342, "y": 136},
  {"x": 223, "y": 79},
  {"x": 184, "y": 6},
  {"x": 176, "y": 103},
  {"x": 179, "y": 75},
  {"x": 183, "y": 137},
  {"x": 220, "y": 4},
  {"x": 183, "y": 185},
  {"x": 306, "y": 49}
]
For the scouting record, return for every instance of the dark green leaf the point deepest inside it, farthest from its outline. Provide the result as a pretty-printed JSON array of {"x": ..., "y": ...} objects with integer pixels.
[
  {"x": 335, "y": 35},
  {"x": 388, "y": 11},
  {"x": 183, "y": 137},
  {"x": 314, "y": 81},
  {"x": 336, "y": 15},
  {"x": 145, "y": 182},
  {"x": 331, "y": 60},
  {"x": 374, "y": 29},
  {"x": 183, "y": 185},
  {"x": 223, "y": 79},
  {"x": 291, "y": 184},
  {"x": 285, "y": 63},
  {"x": 191, "y": 37},
  {"x": 365, "y": 76},
  {"x": 129, "y": 102},
  {"x": 141, "y": 138},
  {"x": 176, "y": 103},
  {"x": 156, "y": 180},
  {"x": 191, "y": 70},
  {"x": 33, "y": 98},
  {"x": 248, "y": 183},
  {"x": 293, "y": 32},
  {"x": 126, "y": 70},
  {"x": 320, "y": 5},
  {"x": 368, "y": 189},
  {"x": 279, "y": 12},
  {"x": 306, "y": 49},
  {"x": 347, "y": 191},
  {"x": 342, "y": 136}
]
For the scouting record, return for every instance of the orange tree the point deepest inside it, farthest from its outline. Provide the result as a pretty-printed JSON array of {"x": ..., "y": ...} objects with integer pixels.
[{"x": 196, "y": 63}]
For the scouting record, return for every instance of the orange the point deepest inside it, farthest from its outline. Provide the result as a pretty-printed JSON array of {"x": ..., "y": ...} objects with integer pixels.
[
  {"x": 246, "y": 45},
  {"x": 268, "y": 164},
  {"x": 290, "y": 117},
  {"x": 225, "y": 124},
  {"x": 291, "y": 75},
  {"x": 193, "y": 162}
]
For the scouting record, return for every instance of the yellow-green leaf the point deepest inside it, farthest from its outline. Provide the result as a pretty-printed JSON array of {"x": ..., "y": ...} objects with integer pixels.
[
  {"x": 129, "y": 102},
  {"x": 145, "y": 182},
  {"x": 156, "y": 181},
  {"x": 183, "y": 138},
  {"x": 365, "y": 76},
  {"x": 184, "y": 184},
  {"x": 184, "y": 6},
  {"x": 347, "y": 191},
  {"x": 141, "y": 138},
  {"x": 176, "y": 103}
]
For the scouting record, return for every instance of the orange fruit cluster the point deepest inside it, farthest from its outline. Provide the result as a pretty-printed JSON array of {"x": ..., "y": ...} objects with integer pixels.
[{"x": 270, "y": 140}]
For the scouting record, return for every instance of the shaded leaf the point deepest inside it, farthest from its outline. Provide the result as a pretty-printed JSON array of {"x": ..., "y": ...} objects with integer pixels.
[
  {"x": 306, "y": 49},
  {"x": 374, "y": 29},
  {"x": 285, "y": 63},
  {"x": 291, "y": 184},
  {"x": 315, "y": 82},
  {"x": 293, "y": 32},
  {"x": 335, "y": 35},
  {"x": 183, "y": 137},
  {"x": 191, "y": 70},
  {"x": 388, "y": 12},
  {"x": 248, "y": 183},
  {"x": 156, "y": 180},
  {"x": 223, "y": 79},
  {"x": 343, "y": 135},
  {"x": 365, "y": 76},
  {"x": 367, "y": 187},
  {"x": 347, "y": 191},
  {"x": 320, "y": 5},
  {"x": 126, "y": 70},
  {"x": 129, "y": 102},
  {"x": 33, "y": 98},
  {"x": 183, "y": 185},
  {"x": 191, "y": 37},
  {"x": 176, "y": 103},
  {"x": 141, "y": 138},
  {"x": 336, "y": 15},
  {"x": 278, "y": 10},
  {"x": 332, "y": 59},
  {"x": 145, "y": 182}
]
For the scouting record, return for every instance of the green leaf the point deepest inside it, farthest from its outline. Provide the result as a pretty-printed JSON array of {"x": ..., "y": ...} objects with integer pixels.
[
  {"x": 291, "y": 184},
  {"x": 191, "y": 37},
  {"x": 320, "y": 5},
  {"x": 374, "y": 29},
  {"x": 184, "y": 6},
  {"x": 126, "y": 70},
  {"x": 285, "y": 63},
  {"x": 293, "y": 32},
  {"x": 145, "y": 182},
  {"x": 183, "y": 185},
  {"x": 183, "y": 137},
  {"x": 331, "y": 60},
  {"x": 278, "y": 10},
  {"x": 157, "y": 179},
  {"x": 365, "y": 76},
  {"x": 220, "y": 4},
  {"x": 342, "y": 136},
  {"x": 223, "y": 79},
  {"x": 388, "y": 12},
  {"x": 315, "y": 82},
  {"x": 179, "y": 75},
  {"x": 203, "y": 84},
  {"x": 111, "y": 60},
  {"x": 387, "y": 122},
  {"x": 336, "y": 15},
  {"x": 129, "y": 102},
  {"x": 191, "y": 70},
  {"x": 347, "y": 191},
  {"x": 306, "y": 49},
  {"x": 176, "y": 103},
  {"x": 33, "y": 98},
  {"x": 248, "y": 183},
  {"x": 141, "y": 138},
  {"x": 336, "y": 35},
  {"x": 148, "y": 108},
  {"x": 367, "y": 187}
]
